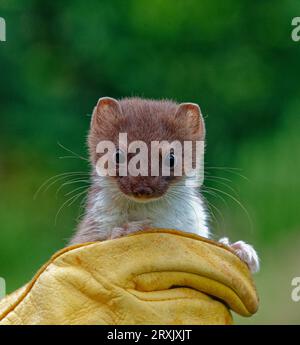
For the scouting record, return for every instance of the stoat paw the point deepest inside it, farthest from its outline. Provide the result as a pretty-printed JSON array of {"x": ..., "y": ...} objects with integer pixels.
[
  {"x": 130, "y": 228},
  {"x": 138, "y": 226},
  {"x": 245, "y": 252},
  {"x": 117, "y": 233}
]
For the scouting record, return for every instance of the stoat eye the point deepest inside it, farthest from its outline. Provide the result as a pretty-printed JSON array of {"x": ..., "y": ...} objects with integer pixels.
[
  {"x": 119, "y": 156},
  {"x": 170, "y": 160}
]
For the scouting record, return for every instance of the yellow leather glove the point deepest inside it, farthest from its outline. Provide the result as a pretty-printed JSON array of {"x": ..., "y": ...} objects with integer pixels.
[{"x": 153, "y": 277}]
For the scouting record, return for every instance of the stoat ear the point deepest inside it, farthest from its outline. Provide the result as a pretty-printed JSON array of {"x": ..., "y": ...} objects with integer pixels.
[
  {"x": 190, "y": 114},
  {"x": 107, "y": 110}
]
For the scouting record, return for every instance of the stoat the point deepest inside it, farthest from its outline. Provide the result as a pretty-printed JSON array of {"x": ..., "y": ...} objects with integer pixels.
[{"x": 125, "y": 203}]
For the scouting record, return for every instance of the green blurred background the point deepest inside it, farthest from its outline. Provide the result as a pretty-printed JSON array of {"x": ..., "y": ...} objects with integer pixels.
[{"x": 235, "y": 58}]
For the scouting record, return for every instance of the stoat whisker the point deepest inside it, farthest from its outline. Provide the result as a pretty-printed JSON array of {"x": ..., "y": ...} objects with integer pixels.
[
  {"x": 179, "y": 196},
  {"x": 75, "y": 155},
  {"x": 208, "y": 176},
  {"x": 68, "y": 203},
  {"x": 191, "y": 195},
  {"x": 224, "y": 185},
  {"x": 75, "y": 190},
  {"x": 54, "y": 179},
  {"x": 82, "y": 207},
  {"x": 230, "y": 170},
  {"x": 236, "y": 201},
  {"x": 210, "y": 206},
  {"x": 205, "y": 190},
  {"x": 74, "y": 181}
]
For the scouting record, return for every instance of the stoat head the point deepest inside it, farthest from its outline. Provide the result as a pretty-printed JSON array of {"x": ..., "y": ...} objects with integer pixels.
[{"x": 146, "y": 121}]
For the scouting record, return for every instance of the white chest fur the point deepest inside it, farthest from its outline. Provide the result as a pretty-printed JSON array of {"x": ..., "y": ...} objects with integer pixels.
[{"x": 182, "y": 211}]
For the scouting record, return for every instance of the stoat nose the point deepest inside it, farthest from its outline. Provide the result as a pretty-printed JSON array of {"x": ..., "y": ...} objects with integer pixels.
[{"x": 142, "y": 191}]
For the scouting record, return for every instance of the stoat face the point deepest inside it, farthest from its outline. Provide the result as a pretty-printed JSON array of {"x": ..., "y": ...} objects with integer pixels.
[{"x": 150, "y": 122}]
